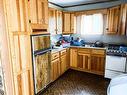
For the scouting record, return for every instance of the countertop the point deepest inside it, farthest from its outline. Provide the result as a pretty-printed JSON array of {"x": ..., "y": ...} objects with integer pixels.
[{"x": 87, "y": 46}]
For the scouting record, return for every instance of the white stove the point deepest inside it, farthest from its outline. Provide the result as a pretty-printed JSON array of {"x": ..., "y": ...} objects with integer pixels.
[{"x": 116, "y": 62}]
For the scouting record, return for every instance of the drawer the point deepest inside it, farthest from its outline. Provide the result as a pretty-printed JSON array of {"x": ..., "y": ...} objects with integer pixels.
[
  {"x": 55, "y": 55},
  {"x": 101, "y": 52},
  {"x": 84, "y": 50},
  {"x": 112, "y": 74},
  {"x": 63, "y": 52}
]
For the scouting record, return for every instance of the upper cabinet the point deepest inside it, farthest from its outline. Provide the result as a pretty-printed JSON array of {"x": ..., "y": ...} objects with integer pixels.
[
  {"x": 59, "y": 21},
  {"x": 17, "y": 15},
  {"x": 38, "y": 13},
  {"x": 123, "y": 20},
  {"x": 116, "y": 20},
  {"x": 68, "y": 23},
  {"x": 55, "y": 21},
  {"x": 113, "y": 16},
  {"x": 52, "y": 21}
]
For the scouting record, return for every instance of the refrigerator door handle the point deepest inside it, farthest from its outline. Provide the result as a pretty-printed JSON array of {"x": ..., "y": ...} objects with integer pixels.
[{"x": 41, "y": 52}]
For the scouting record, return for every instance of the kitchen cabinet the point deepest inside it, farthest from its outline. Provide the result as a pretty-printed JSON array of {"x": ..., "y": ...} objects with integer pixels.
[
  {"x": 113, "y": 17},
  {"x": 88, "y": 60},
  {"x": 58, "y": 64},
  {"x": 123, "y": 20},
  {"x": 55, "y": 21},
  {"x": 84, "y": 61},
  {"x": 68, "y": 23},
  {"x": 63, "y": 63},
  {"x": 55, "y": 66},
  {"x": 63, "y": 58},
  {"x": 55, "y": 69},
  {"x": 17, "y": 16},
  {"x": 22, "y": 65},
  {"x": 98, "y": 61},
  {"x": 73, "y": 57},
  {"x": 68, "y": 58},
  {"x": 59, "y": 21},
  {"x": 98, "y": 64},
  {"x": 52, "y": 21},
  {"x": 38, "y": 13},
  {"x": 72, "y": 23}
]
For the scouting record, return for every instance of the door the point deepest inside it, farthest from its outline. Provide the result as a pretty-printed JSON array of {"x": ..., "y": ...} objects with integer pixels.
[
  {"x": 113, "y": 16},
  {"x": 42, "y": 11},
  {"x": 41, "y": 67},
  {"x": 59, "y": 22},
  {"x": 72, "y": 23},
  {"x": 55, "y": 69},
  {"x": 84, "y": 61},
  {"x": 40, "y": 42},
  {"x": 63, "y": 63},
  {"x": 98, "y": 63},
  {"x": 67, "y": 23},
  {"x": 116, "y": 63},
  {"x": 52, "y": 21},
  {"x": 73, "y": 57}
]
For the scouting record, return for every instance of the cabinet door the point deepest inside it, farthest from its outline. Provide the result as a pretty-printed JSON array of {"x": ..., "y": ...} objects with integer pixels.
[
  {"x": 55, "y": 69},
  {"x": 98, "y": 64},
  {"x": 73, "y": 57},
  {"x": 68, "y": 58},
  {"x": 72, "y": 23},
  {"x": 42, "y": 11},
  {"x": 84, "y": 61},
  {"x": 63, "y": 63},
  {"x": 67, "y": 23},
  {"x": 32, "y": 11},
  {"x": 52, "y": 21},
  {"x": 59, "y": 22},
  {"x": 113, "y": 20},
  {"x": 17, "y": 15},
  {"x": 22, "y": 83},
  {"x": 123, "y": 19}
]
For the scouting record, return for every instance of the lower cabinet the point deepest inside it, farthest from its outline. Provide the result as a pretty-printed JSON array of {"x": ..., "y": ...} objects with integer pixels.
[
  {"x": 58, "y": 64},
  {"x": 84, "y": 61},
  {"x": 88, "y": 59},
  {"x": 98, "y": 64},
  {"x": 73, "y": 57},
  {"x": 68, "y": 58},
  {"x": 63, "y": 63},
  {"x": 55, "y": 69}
]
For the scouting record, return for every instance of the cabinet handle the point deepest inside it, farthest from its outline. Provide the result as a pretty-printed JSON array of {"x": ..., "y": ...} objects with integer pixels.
[{"x": 29, "y": 21}]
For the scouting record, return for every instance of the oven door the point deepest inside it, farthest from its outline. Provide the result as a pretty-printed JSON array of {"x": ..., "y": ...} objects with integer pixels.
[{"x": 116, "y": 63}]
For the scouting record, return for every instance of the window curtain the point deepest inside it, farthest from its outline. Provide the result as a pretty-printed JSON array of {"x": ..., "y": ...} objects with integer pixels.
[{"x": 89, "y": 24}]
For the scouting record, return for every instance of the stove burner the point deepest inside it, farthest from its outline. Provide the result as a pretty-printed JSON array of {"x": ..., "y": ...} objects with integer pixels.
[
  {"x": 116, "y": 53},
  {"x": 115, "y": 50}
]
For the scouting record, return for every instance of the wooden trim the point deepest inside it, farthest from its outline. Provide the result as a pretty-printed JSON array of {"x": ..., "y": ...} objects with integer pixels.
[
  {"x": 89, "y": 12},
  {"x": 93, "y": 72},
  {"x": 24, "y": 14},
  {"x": 38, "y": 26},
  {"x": 20, "y": 60},
  {"x": 19, "y": 79},
  {"x": 18, "y": 13},
  {"x": 20, "y": 33}
]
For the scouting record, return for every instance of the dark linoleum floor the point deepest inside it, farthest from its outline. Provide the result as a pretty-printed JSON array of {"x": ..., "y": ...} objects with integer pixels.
[{"x": 78, "y": 83}]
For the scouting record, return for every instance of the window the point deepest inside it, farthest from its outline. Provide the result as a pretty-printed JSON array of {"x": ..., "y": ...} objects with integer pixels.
[{"x": 90, "y": 24}]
